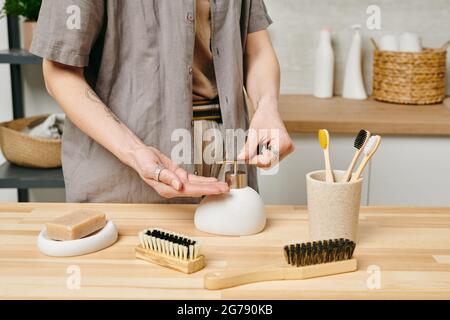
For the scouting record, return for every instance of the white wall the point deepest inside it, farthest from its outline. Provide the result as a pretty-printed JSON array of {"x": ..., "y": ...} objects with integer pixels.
[{"x": 298, "y": 22}]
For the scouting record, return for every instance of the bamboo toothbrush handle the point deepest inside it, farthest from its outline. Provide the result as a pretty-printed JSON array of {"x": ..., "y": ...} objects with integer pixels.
[
  {"x": 233, "y": 278},
  {"x": 374, "y": 144},
  {"x": 348, "y": 174},
  {"x": 328, "y": 173},
  {"x": 360, "y": 170}
]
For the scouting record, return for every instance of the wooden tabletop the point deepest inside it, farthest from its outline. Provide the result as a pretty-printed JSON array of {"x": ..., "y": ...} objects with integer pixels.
[
  {"x": 307, "y": 114},
  {"x": 410, "y": 247}
]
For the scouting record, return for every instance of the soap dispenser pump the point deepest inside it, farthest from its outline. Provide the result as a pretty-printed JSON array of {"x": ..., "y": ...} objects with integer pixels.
[{"x": 240, "y": 212}]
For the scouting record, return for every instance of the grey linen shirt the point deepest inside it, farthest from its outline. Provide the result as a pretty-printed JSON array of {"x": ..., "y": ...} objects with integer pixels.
[{"x": 138, "y": 57}]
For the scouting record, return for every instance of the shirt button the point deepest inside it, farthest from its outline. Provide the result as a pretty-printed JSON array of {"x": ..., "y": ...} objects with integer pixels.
[{"x": 190, "y": 17}]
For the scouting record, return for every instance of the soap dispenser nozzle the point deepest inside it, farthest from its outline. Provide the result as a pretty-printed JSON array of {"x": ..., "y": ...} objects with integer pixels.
[{"x": 236, "y": 179}]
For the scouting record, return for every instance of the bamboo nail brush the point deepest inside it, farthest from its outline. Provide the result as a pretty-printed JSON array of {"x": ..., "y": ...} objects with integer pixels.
[{"x": 170, "y": 250}]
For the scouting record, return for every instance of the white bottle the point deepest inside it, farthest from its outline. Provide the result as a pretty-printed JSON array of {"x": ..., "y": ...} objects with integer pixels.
[
  {"x": 238, "y": 213},
  {"x": 324, "y": 71},
  {"x": 353, "y": 82}
]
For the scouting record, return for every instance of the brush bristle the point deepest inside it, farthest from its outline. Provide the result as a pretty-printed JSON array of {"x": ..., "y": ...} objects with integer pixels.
[
  {"x": 371, "y": 144},
  {"x": 323, "y": 138},
  {"x": 360, "y": 139},
  {"x": 310, "y": 253},
  {"x": 170, "y": 244}
]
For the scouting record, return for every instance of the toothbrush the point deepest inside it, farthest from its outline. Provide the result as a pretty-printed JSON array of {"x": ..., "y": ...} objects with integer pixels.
[
  {"x": 305, "y": 261},
  {"x": 360, "y": 142},
  {"x": 324, "y": 139},
  {"x": 369, "y": 150}
]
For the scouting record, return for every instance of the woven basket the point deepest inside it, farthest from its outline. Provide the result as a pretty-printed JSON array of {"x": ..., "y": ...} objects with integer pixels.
[
  {"x": 409, "y": 77},
  {"x": 23, "y": 150}
]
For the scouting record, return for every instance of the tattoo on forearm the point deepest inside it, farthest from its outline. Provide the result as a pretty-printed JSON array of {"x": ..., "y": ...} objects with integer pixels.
[{"x": 91, "y": 95}]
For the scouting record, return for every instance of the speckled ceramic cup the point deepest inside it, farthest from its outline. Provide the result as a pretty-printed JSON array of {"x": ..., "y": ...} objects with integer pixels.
[{"x": 333, "y": 208}]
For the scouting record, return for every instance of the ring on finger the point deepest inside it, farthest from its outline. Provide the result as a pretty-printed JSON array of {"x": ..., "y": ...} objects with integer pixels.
[
  {"x": 157, "y": 172},
  {"x": 274, "y": 151}
]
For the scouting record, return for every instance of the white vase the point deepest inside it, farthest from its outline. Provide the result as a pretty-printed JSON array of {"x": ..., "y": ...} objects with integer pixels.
[{"x": 353, "y": 81}]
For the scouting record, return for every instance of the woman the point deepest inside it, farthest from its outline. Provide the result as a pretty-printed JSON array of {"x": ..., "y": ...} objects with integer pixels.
[{"x": 128, "y": 74}]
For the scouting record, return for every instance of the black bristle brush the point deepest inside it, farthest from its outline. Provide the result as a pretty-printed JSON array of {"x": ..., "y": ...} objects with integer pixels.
[
  {"x": 359, "y": 144},
  {"x": 306, "y": 260},
  {"x": 300, "y": 255}
]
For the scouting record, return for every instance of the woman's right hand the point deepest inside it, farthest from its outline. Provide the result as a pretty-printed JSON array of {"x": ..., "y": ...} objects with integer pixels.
[{"x": 173, "y": 181}]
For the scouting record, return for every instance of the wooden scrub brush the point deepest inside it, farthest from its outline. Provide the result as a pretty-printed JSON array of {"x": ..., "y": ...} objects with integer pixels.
[
  {"x": 307, "y": 260},
  {"x": 170, "y": 250}
]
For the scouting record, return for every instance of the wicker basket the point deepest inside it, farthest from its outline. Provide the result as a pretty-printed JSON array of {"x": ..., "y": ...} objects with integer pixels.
[
  {"x": 409, "y": 77},
  {"x": 23, "y": 150}
]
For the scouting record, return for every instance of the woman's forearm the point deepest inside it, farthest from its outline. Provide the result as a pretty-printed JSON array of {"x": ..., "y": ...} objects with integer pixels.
[
  {"x": 83, "y": 107},
  {"x": 262, "y": 74},
  {"x": 262, "y": 71}
]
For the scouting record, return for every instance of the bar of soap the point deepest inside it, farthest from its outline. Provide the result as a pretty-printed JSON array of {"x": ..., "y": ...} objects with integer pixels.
[{"x": 76, "y": 225}]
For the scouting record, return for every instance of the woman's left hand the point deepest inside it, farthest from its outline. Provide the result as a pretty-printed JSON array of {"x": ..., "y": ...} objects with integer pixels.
[{"x": 267, "y": 129}]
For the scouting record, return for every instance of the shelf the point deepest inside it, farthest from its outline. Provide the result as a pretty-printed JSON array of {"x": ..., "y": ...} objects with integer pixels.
[
  {"x": 14, "y": 177},
  {"x": 307, "y": 114},
  {"x": 18, "y": 56}
]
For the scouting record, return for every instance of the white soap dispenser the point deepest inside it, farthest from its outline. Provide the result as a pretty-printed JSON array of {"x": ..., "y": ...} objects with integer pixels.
[
  {"x": 353, "y": 82},
  {"x": 240, "y": 212},
  {"x": 324, "y": 69}
]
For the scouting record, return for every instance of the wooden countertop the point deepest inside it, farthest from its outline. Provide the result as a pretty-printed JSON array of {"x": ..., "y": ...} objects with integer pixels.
[
  {"x": 411, "y": 246},
  {"x": 307, "y": 114}
]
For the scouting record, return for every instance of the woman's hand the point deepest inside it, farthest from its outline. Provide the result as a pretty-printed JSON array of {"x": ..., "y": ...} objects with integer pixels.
[
  {"x": 267, "y": 129},
  {"x": 173, "y": 180},
  {"x": 262, "y": 73}
]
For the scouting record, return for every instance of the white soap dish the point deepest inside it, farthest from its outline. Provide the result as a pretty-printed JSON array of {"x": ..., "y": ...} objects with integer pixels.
[{"x": 98, "y": 241}]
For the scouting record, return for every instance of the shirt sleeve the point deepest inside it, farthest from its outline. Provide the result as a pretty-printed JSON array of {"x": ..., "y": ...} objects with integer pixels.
[
  {"x": 259, "y": 19},
  {"x": 67, "y": 29}
]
